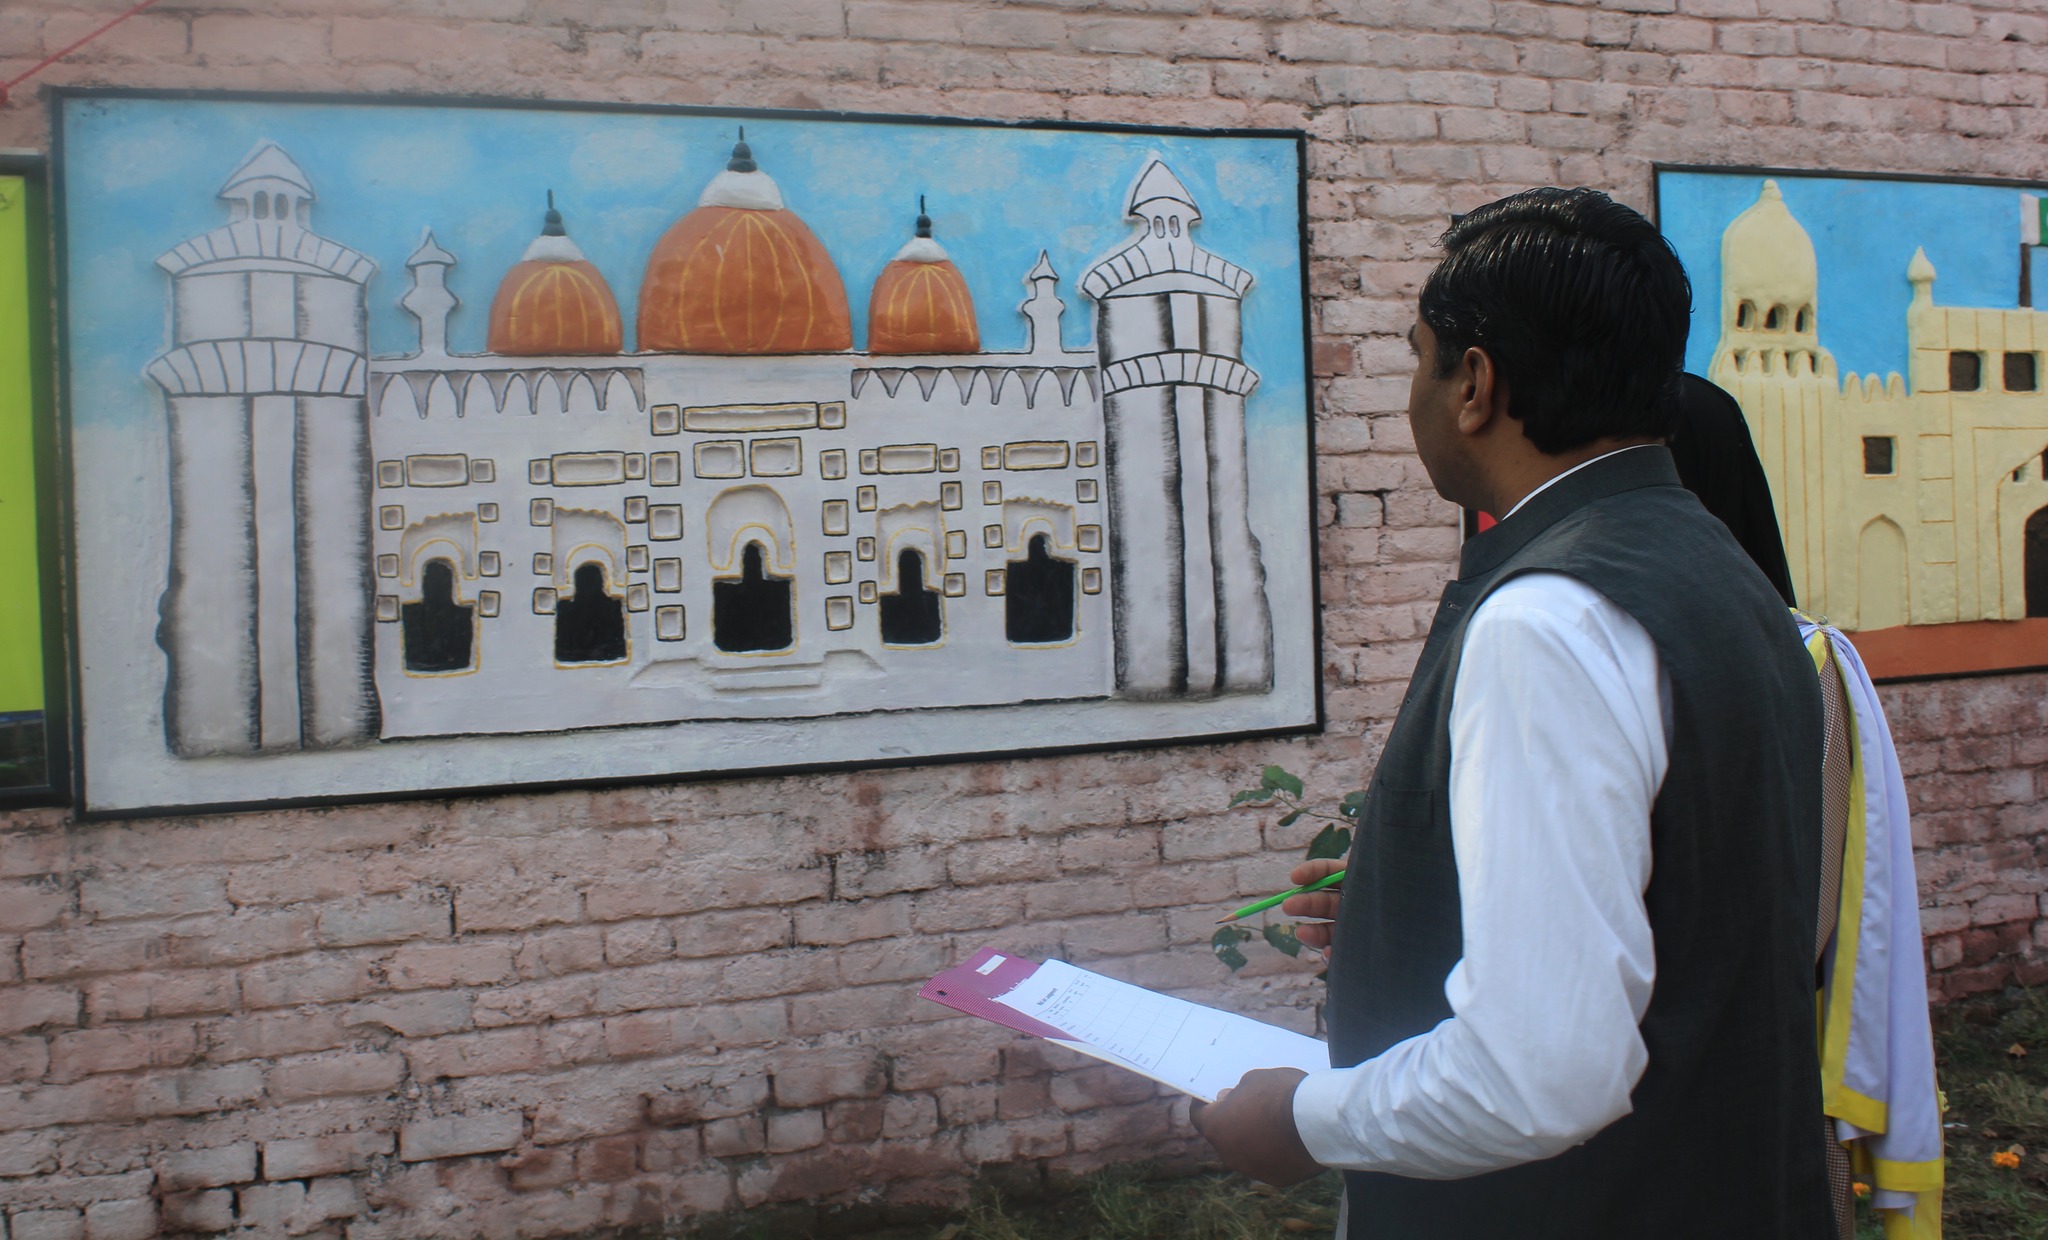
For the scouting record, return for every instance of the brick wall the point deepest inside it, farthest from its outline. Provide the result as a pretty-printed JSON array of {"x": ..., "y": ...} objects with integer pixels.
[{"x": 540, "y": 1014}]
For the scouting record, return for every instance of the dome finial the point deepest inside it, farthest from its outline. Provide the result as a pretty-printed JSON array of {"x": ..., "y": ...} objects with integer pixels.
[
  {"x": 924, "y": 222},
  {"x": 742, "y": 155},
  {"x": 552, "y": 225}
]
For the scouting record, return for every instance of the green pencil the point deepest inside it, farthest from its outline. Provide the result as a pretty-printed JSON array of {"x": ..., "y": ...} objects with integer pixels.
[{"x": 1327, "y": 880}]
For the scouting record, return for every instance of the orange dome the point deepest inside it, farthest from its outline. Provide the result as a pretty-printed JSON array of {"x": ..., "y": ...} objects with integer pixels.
[
  {"x": 742, "y": 274},
  {"x": 920, "y": 303},
  {"x": 554, "y": 301}
]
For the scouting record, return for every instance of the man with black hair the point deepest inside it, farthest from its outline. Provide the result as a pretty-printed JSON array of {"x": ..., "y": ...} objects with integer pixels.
[{"x": 1571, "y": 982}]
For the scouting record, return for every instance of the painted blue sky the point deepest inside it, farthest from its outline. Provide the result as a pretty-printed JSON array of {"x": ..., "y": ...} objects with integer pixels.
[
  {"x": 142, "y": 175},
  {"x": 1864, "y": 233}
]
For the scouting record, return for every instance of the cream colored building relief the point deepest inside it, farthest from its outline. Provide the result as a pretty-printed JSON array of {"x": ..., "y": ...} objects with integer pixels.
[{"x": 1903, "y": 498}]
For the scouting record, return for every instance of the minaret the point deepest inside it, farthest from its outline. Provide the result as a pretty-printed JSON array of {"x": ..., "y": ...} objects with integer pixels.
[
  {"x": 1191, "y": 612},
  {"x": 266, "y": 616},
  {"x": 430, "y": 300},
  {"x": 1042, "y": 310}
]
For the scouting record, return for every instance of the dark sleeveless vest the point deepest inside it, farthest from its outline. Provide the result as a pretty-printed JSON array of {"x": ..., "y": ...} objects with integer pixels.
[{"x": 1720, "y": 1142}]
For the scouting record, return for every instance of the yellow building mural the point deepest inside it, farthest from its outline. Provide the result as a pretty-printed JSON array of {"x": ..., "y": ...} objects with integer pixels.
[{"x": 1908, "y": 499}]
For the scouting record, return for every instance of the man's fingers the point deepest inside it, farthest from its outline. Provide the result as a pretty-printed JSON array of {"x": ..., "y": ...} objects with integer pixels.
[
  {"x": 1309, "y": 871},
  {"x": 1323, "y": 904},
  {"x": 1317, "y": 937}
]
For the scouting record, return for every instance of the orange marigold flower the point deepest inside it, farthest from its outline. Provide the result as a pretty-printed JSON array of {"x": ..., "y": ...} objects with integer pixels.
[
  {"x": 2006, "y": 1159},
  {"x": 1862, "y": 1189}
]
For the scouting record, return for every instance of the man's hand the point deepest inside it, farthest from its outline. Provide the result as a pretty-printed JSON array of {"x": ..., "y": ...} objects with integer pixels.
[
  {"x": 1321, "y": 904},
  {"x": 1252, "y": 1126}
]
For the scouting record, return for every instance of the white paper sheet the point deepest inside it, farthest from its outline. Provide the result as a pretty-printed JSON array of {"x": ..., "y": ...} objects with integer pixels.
[{"x": 1197, "y": 1050}]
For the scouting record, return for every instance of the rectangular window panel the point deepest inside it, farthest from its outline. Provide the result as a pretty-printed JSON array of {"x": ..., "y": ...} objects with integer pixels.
[
  {"x": 1965, "y": 371},
  {"x": 1042, "y": 455},
  {"x": 908, "y": 458},
  {"x": 721, "y": 459},
  {"x": 1878, "y": 452},
  {"x": 589, "y": 469},
  {"x": 437, "y": 471},
  {"x": 2022, "y": 372},
  {"x": 778, "y": 458}
]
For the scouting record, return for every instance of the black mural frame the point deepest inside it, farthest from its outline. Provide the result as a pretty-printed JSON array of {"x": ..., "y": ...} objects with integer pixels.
[
  {"x": 52, "y": 494},
  {"x": 58, "y": 96}
]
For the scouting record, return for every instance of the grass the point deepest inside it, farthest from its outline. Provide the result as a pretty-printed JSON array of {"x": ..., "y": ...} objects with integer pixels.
[
  {"x": 1992, "y": 1057},
  {"x": 1993, "y": 1062}
]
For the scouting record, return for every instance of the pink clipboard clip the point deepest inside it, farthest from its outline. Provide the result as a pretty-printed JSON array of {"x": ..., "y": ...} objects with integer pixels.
[{"x": 972, "y": 988}]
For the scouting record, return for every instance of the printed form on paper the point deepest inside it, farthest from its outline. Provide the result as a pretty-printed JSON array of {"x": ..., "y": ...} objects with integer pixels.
[{"x": 1195, "y": 1049}]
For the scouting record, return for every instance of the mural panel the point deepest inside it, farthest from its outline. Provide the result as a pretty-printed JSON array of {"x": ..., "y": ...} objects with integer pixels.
[
  {"x": 25, "y": 758},
  {"x": 434, "y": 447},
  {"x": 1882, "y": 339}
]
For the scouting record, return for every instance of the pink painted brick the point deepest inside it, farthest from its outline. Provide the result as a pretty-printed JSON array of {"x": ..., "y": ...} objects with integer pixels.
[
  {"x": 383, "y": 919},
  {"x": 37, "y": 1007},
  {"x": 298, "y": 1158},
  {"x": 336, "y": 1074},
  {"x": 33, "y": 904},
  {"x": 47, "y": 1225},
  {"x": 179, "y": 1170},
  {"x": 424, "y": 966},
  {"x": 454, "y": 1136},
  {"x": 139, "y": 996},
  {"x": 121, "y": 1048},
  {"x": 205, "y": 1212},
  {"x": 134, "y": 1219}
]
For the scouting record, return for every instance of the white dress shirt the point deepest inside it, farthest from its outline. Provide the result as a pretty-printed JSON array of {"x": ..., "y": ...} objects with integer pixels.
[{"x": 1558, "y": 747}]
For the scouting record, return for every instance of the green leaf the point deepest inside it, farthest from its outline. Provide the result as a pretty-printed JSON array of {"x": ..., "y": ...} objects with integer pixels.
[
  {"x": 1253, "y": 796},
  {"x": 1282, "y": 938},
  {"x": 1352, "y": 805},
  {"x": 1274, "y": 777},
  {"x": 1224, "y": 943},
  {"x": 1287, "y": 820},
  {"x": 1331, "y": 843}
]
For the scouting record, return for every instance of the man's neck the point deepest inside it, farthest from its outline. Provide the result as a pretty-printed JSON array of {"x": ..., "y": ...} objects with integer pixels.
[{"x": 1531, "y": 474}]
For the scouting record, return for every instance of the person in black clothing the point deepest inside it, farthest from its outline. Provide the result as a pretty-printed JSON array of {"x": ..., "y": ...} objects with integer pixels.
[
  {"x": 1717, "y": 461},
  {"x": 1550, "y": 341}
]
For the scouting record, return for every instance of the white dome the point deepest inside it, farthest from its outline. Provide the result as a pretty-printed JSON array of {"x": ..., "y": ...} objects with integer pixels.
[{"x": 1766, "y": 257}]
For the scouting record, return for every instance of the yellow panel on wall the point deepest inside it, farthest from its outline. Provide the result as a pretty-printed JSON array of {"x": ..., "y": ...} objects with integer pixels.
[{"x": 21, "y": 646}]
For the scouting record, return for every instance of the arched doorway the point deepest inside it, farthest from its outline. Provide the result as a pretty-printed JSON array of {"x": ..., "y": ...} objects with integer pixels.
[
  {"x": 752, "y": 614},
  {"x": 590, "y": 625},
  {"x": 2037, "y": 563},
  {"x": 1038, "y": 598},
  {"x": 439, "y": 632},
  {"x": 910, "y": 616},
  {"x": 1880, "y": 576}
]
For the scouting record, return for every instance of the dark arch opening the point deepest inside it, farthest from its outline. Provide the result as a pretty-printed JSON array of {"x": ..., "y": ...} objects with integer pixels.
[
  {"x": 1038, "y": 596},
  {"x": 910, "y": 616},
  {"x": 1774, "y": 319},
  {"x": 439, "y": 633},
  {"x": 1745, "y": 314},
  {"x": 2037, "y": 563},
  {"x": 754, "y": 612},
  {"x": 590, "y": 625}
]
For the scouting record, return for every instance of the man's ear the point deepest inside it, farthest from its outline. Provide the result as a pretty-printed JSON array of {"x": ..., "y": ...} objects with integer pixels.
[{"x": 1483, "y": 392}]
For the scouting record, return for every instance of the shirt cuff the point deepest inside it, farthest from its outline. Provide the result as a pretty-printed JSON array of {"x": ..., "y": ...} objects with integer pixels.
[{"x": 1319, "y": 1118}]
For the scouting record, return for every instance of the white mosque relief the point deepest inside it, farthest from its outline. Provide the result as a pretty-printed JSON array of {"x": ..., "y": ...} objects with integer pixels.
[{"x": 744, "y": 520}]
